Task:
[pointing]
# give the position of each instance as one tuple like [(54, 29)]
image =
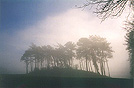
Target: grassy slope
[(63, 78), (66, 72)]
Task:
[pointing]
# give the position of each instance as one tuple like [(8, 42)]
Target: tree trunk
[(95, 65), (35, 63), (104, 68), (83, 66), (47, 63), (26, 67), (41, 63), (90, 66), (80, 65), (54, 62), (31, 64), (57, 63), (108, 68), (101, 67), (71, 61), (38, 63), (86, 65)]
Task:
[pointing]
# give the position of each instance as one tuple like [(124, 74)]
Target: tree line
[(89, 54)]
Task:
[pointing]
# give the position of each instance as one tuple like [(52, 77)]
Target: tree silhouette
[(108, 8), (70, 52), (27, 58), (95, 49), (90, 52), (130, 44), (62, 57), (114, 8), (66, 54), (83, 50), (103, 51), (37, 54)]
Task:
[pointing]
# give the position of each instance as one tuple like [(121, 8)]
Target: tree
[(103, 52), (83, 50), (130, 44), (47, 55), (114, 8), (95, 49), (109, 8), (89, 51), (37, 54), (26, 58), (70, 52), (66, 54), (62, 58)]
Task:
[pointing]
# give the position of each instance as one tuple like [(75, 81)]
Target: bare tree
[(108, 8)]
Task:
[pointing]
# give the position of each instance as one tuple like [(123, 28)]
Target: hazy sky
[(42, 22)]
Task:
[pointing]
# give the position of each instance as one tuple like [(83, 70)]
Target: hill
[(65, 72), (62, 78)]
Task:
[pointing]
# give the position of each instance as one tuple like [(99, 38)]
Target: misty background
[(43, 22)]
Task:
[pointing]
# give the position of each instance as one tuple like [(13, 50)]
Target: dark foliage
[(130, 44)]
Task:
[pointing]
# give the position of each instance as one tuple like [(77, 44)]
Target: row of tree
[(90, 54)]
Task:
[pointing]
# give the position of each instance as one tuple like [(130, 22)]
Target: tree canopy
[(130, 44), (92, 54)]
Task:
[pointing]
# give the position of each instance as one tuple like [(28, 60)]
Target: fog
[(60, 28)]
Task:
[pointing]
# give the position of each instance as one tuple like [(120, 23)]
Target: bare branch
[(108, 8)]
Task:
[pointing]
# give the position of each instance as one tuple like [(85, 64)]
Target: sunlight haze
[(68, 24)]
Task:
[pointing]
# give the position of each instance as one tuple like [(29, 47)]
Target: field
[(82, 80)]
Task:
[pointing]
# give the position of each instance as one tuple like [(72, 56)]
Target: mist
[(60, 28)]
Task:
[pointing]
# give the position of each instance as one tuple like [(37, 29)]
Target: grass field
[(82, 80)]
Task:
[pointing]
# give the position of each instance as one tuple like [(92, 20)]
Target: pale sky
[(52, 22)]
